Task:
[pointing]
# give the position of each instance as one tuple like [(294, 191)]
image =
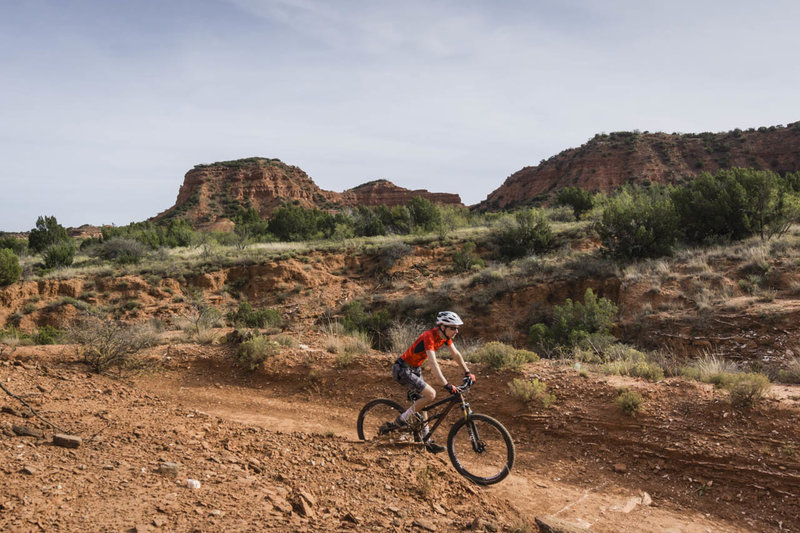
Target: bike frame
[(440, 416)]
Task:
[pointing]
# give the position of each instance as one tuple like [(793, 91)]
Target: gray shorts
[(409, 376)]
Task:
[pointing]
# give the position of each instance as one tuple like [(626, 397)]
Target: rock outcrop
[(212, 194), (384, 192), (610, 160)]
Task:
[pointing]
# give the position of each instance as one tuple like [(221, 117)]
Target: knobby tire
[(486, 467)]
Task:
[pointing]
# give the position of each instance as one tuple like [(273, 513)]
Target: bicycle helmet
[(448, 318)]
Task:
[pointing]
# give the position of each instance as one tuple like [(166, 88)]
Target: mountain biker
[(407, 371)]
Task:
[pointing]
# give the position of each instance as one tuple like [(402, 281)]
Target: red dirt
[(277, 449)]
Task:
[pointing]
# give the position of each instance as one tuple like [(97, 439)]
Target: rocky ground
[(277, 449)]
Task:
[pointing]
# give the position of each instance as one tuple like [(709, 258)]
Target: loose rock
[(67, 441)]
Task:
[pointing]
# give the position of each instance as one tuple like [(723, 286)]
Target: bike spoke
[(482, 451), (374, 418)]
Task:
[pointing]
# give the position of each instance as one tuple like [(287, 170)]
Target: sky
[(106, 104)]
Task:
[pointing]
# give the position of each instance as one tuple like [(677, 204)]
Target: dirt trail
[(607, 506), (277, 449)]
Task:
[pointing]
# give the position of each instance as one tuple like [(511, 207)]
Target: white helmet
[(448, 318)]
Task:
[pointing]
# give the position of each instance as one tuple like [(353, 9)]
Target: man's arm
[(458, 357), (435, 365)]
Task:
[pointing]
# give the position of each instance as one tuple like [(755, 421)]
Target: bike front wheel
[(374, 414), (481, 449)]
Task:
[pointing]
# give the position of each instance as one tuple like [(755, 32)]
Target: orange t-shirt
[(417, 352)]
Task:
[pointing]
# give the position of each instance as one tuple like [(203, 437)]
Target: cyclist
[(407, 371)]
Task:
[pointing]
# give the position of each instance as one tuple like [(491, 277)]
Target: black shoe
[(432, 447), (386, 428), (399, 422)]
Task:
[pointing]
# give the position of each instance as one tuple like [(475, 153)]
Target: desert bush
[(629, 401), (392, 252), (734, 204), (200, 315), (466, 259), (638, 223), (641, 369), (499, 355), (531, 391), (104, 344), (791, 373), (125, 251), (747, 389), (709, 368), (575, 323), (286, 340), (529, 232), (47, 335), (61, 254), (255, 350), (9, 267), (18, 246), (376, 324), (246, 316), (580, 200), (403, 334)]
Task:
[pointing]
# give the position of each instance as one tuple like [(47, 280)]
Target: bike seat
[(413, 395)]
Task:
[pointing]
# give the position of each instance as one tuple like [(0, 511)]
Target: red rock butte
[(211, 194)]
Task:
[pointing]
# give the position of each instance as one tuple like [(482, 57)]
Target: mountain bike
[(479, 447)]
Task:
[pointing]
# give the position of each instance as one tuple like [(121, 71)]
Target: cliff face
[(608, 161), (212, 194)]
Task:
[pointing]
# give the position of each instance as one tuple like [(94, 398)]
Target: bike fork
[(474, 437)]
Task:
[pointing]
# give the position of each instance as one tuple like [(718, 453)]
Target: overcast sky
[(106, 104)]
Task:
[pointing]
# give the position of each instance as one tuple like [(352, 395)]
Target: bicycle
[(480, 447)]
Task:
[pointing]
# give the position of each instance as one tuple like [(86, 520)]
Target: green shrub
[(254, 351), (531, 391), (499, 355), (18, 246), (576, 323), (629, 401), (9, 267), (747, 389), (580, 200), (61, 254), (245, 315), (736, 203), (376, 324), (48, 335), (466, 259), (425, 216), (639, 222), (123, 250), (528, 233)]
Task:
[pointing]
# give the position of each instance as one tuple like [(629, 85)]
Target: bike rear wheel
[(481, 449), (374, 414)]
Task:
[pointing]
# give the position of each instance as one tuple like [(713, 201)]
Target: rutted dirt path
[(277, 449), (531, 490)]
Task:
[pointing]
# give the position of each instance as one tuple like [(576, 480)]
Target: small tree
[(61, 254), (580, 200), (46, 233), (9, 267), (425, 216)]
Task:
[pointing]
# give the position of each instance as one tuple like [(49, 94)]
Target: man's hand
[(469, 378), (451, 388)]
